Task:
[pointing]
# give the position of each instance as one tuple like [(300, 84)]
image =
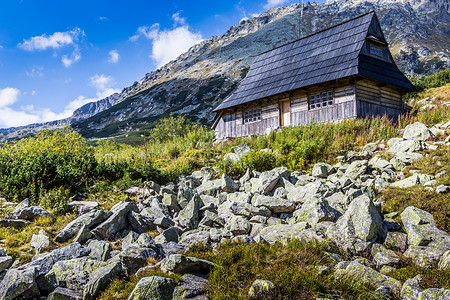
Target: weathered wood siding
[(374, 100)]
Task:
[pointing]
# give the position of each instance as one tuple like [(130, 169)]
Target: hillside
[(194, 83), (351, 210)]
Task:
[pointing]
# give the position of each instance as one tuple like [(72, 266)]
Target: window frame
[(316, 101), (252, 115)]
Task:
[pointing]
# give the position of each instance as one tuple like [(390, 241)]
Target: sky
[(57, 55)]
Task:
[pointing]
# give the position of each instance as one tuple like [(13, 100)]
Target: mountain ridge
[(195, 82)]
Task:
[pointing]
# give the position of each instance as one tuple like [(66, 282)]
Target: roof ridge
[(317, 32)]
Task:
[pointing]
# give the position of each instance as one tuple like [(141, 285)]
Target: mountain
[(418, 32)]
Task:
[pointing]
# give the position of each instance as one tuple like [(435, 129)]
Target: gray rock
[(396, 240), (276, 205), (413, 180), (82, 207), (83, 235), (171, 200), (101, 278), (140, 223), (188, 216), (17, 224), (111, 228), (321, 170), (190, 287), (28, 213), (248, 210), (260, 288), (371, 148), (181, 264), (45, 261), (39, 241), (444, 263), (5, 262), (100, 250), (411, 289), (443, 189), (367, 275), (153, 288), (129, 240), (362, 221), (425, 257), (90, 219), (268, 180), (240, 225), (168, 235), (314, 211), (227, 184), (64, 294), (19, 283), (407, 146), (380, 164), (356, 169), (194, 237), (417, 131), (284, 232)]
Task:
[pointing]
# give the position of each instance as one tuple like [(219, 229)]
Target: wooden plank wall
[(374, 100)]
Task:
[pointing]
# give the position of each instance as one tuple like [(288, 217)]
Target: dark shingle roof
[(324, 56)]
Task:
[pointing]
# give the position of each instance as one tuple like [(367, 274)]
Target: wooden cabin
[(345, 71)]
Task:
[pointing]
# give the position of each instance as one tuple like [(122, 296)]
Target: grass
[(290, 267), (430, 278)]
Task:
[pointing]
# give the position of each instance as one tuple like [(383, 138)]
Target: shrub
[(56, 200)]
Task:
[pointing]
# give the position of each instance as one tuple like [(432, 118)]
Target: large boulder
[(356, 169), (321, 170), (181, 264), (190, 287), (28, 213), (276, 205), (5, 262), (227, 184), (314, 211), (89, 219), (361, 222), (237, 152), (413, 180), (153, 288), (284, 232), (188, 216), (367, 275), (39, 241), (267, 181), (19, 283), (100, 250), (303, 193), (240, 225), (64, 294), (407, 146), (417, 131), (111, 227), (101, 278)]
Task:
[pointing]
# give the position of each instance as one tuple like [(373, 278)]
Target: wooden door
[(285, 113)]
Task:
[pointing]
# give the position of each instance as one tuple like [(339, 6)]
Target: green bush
[(56, 200), (438, 79)]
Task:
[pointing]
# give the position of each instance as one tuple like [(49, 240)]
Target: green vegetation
[(438, 79)]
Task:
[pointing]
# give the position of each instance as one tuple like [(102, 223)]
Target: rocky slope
[(338, 204), (194, 83)]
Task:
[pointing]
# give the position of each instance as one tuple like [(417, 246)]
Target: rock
[(248, 210), (29, 213), (190, 287), (260, 288), (188, 216), (386, 257), (194, 237), (371, 147), (129, 240), (240, 225), (380, 164), (411, 289), (356, 169), (5, 262), (367, 275), (100, 250), (425, 257), (417, 131), (276, 205), (362, 221), (180, 264), (407, 146), (413, 180), (168, 235), (73, 273), (83, 235), (385, 292), (444, 263), (64, 294), (45, 261), (39, 241), (140, 223), (237, 153), (396, 240), (210, 187), (90, 219), (171, 200), (422, 230), (227, 184), (153, 288), (321, 170), (314, 211), (82, 207), (111, 228), (443, 189), (284, 232), (102, 277), (164, 223), (434, 294), (19, 283), (268, 180)]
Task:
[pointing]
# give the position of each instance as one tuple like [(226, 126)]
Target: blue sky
[(58, 55)]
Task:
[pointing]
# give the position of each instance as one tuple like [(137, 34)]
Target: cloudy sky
[(56, 55)]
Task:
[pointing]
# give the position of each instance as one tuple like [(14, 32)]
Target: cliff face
[(418, 32)]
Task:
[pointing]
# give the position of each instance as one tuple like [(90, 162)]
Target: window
[(376, 51), (252, 115), (321, 100)]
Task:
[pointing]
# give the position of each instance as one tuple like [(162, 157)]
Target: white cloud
[(103, 18), (274, 3), (113, 57), (77, 103), (74, 57), (8, 96), (33, 93), (54, 41), (168, 44), (104, 85)]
